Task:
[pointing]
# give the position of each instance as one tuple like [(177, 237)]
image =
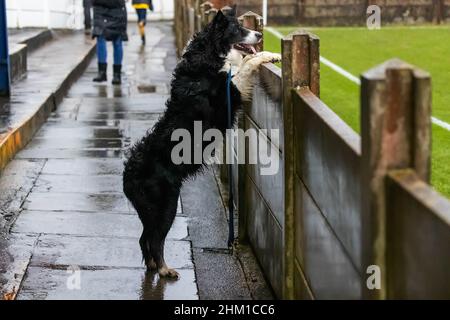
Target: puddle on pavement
[(146, 89)]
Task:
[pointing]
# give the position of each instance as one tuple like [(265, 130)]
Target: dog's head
[(233, 34)]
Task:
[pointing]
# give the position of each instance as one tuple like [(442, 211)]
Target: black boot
[(101, 76), (117, 74)]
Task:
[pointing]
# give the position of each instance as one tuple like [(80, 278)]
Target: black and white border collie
[(151, 181)]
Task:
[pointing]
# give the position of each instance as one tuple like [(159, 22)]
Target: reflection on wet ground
[(73, 235)]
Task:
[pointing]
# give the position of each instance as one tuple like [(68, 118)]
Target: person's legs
[(142, 21), (102, 51), (87, 14), (118, 58), (118, 51), (102, 57)]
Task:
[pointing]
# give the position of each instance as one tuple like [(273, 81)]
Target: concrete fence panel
[(327, 201), (418, 234)]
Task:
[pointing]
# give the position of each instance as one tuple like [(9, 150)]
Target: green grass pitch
[(359, 49)]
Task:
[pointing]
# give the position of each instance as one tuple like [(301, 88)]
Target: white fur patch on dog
[(233, 61)]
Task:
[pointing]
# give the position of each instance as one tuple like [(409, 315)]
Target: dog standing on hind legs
[(151, 180)]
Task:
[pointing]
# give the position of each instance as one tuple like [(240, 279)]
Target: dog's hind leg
[(159, 233), (148, 259), (143, 206)]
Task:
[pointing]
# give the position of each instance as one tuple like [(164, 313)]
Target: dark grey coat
[(110, 19)]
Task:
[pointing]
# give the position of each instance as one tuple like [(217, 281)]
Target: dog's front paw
[(276, 58), (267, 56), (166, 272), (273, 57)]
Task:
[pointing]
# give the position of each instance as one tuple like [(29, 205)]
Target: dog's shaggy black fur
[(151, 181)]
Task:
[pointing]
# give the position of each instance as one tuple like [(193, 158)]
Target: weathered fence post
[(191, 23), (210, 14), (300, 68), (204, 8), (178, 24), (396, 134), (226, 9), (184, 24), (198, 16)]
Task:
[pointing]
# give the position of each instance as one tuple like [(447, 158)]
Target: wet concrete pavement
[(63, 192), (68, 220)]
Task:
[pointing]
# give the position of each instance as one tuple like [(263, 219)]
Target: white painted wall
[(164, 10), (67, 13)]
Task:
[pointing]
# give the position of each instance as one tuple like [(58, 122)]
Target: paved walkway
[(69, 217), (67, 183)]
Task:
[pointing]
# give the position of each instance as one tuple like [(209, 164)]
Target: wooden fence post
[(396, 134), (198, 16), (185, 30), (178, 25), (300, 68), (204, 8), (191, 23), (210, 14), (226, 9)]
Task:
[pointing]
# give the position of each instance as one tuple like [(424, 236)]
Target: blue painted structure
[(4, 53)]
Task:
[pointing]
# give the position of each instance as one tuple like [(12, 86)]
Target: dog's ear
[(219, 20)]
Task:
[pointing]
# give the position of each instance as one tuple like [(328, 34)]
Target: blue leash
[(230, 168)]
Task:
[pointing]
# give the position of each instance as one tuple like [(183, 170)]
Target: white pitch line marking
[(351, 77), (340, 70), (441, 123), (275, 32)]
